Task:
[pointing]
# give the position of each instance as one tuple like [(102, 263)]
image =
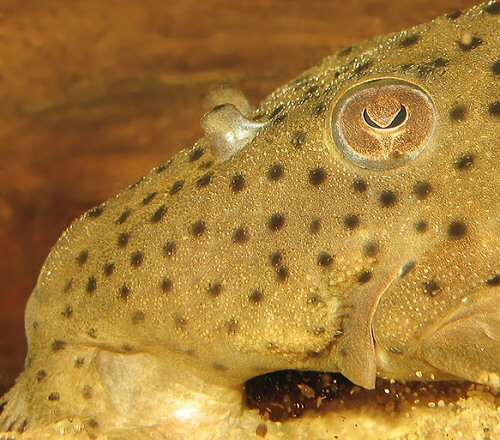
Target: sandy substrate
[(403, 414)]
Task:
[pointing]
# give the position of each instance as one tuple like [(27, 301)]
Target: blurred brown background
[(94, 93)]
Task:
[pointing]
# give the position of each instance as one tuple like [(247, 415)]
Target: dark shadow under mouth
[(288, 394)]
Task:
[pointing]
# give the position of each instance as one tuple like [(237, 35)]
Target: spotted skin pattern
[(264, 247)]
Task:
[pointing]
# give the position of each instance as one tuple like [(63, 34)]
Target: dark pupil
[(398, 119)]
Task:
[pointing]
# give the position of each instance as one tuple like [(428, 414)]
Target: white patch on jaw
[(228, 131), (144, 389)]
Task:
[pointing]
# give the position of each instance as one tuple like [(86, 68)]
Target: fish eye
[(383, 123)]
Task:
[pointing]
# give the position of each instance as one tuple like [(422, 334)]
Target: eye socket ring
[(383, 123)]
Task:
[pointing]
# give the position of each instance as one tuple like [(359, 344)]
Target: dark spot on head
[(318, 330), (125, 291), (493, 8), (275, 171), (204, 180), (136, 258), (238, 182), (409, 40), (92, 332), (317, 176), (91, 284), (458, 113), (469, 45), (79, 361), (160, 168), (440, 62), (176, 187), (68, 286), (351, 221), (166, 284), (345, 51), (388, 199), (96, 212), (231, 326), (123, 216), (495, 67), (494, 109), (276, 111), (198, 228), (136, 184), (169, 248), (54, 396), (215, 288), (40, 375), (123, 239), (311, 90), (314, 298), (359, 186), (128, 348), (279, 119), (146, 200), (421, 226), (431, 288), (298, 139), (206, 165), (58, 345), (276, 221), (180, 322), (454, 15), (371, 248), (109, 269), (93, 423), (365, 276), (22, 426), (87, 391), (67, 312), (315, 226), (276, 258), (320, 108), (457, 229), (256, 296), (429, 68), (219, 367), (494, 280), (465, 162), (362, 67), (422, 190), (407, 268), (191, 352), (240, 235), (282, 273), (138, 316), (196, 154), (83, 256), (324, 259), (159, 214)]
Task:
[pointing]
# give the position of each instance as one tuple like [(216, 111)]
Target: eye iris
[(382, 124)]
